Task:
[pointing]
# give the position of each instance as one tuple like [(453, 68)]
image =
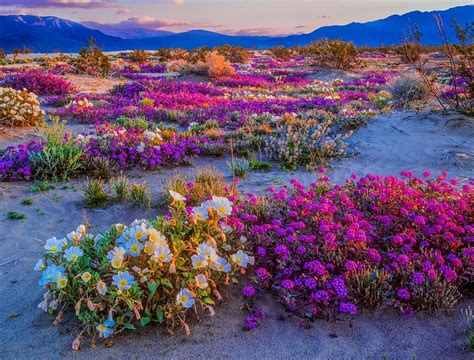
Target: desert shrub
[(60, 158), (92, 61), (201, 186), (99, 167), (409, 91), (234, 54), (149, 272), (180, 66), (403, 242), (333, 54), (409, 52), (280, 52), (140, 195), (218, 66), (198, 55), (304, 142), (138, 56), (3, 55), (19, 108), (94, 193), (39, 82)]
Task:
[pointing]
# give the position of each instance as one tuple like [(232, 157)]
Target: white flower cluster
[(82, 103), (19, 108)]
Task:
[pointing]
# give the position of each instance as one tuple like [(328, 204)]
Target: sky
[(236, 17)]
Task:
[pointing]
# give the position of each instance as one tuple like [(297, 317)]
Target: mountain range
[(50, 34)]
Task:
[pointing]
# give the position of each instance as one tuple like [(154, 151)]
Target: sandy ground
[(389, 144)]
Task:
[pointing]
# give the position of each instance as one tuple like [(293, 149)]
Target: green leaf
[(160, 317), (129, 326), (144, 320), (208, 301), (167, 283), (152, 287)]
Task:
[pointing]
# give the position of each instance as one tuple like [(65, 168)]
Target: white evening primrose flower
[(185, 298), (201, 281), (199, 261), (176, 196), (207, 251), (156, 237), (200, 213), (116, 262), (101, 287), (242, 259), (61, 282), (138, 232), (221, 205), (150, 248), (73, 253), (81, 229), (86, 276), (40, 265), (116, 252), (54, 246), (220, 264), (163, 254)]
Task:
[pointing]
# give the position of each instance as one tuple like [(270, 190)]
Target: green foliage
[(41, 186), (333, 54), (120, 187), (140, 195), (26, 201), (13, 215), (99, 167), (94, 193), (239, 167), (132, 123), (281, 52), (92, 60)]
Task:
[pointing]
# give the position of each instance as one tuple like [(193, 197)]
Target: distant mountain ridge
[(49, 33)]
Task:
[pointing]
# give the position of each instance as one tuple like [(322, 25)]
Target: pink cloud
[(38, 4), (151, 23)]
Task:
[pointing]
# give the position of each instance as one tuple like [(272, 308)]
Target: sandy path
[(432, 142)]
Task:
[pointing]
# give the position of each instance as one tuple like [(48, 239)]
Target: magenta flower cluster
[(39, 82), (15, 163), (418, 231)]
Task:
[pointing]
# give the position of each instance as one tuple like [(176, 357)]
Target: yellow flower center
[(123, 282), (198, 215), (221, 209), (138, 234), (54, 249), (117, 263), (62, 282), (74, 256), (134, 247), (162, 256), (184, 298), (102, 328)]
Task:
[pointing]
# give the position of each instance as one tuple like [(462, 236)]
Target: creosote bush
[(92, 60), (333, 54)]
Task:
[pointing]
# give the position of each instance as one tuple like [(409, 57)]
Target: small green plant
[(257, 165), (92, 60), (239, 167), (140, 195), (99, 168), (41, 186), (469, 316), (27, 201), (60, 158), (133, 123), (94, 193), (13, 215), (120, 188)]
